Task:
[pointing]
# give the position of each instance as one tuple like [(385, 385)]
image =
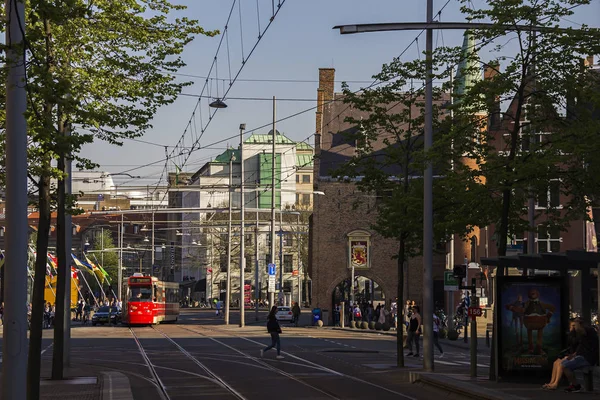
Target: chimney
[(325, 94)]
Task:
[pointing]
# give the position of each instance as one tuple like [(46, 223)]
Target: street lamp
[(218, 103), (242, 232)]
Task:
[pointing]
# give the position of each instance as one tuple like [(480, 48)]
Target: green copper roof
[(303, 146), (469, 68), (226, 156), (268, 138), (304, 160)]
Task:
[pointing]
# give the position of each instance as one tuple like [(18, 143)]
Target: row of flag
[(97, 269)]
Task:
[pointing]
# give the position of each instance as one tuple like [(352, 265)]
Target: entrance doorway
[(365, 291)]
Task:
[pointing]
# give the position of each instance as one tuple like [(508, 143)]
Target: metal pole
[(428, 203), (120, 271), (152, 239), (352, 292), (299, 265), (228, 277), (281, 294), (473, 333), (242, 231), (271, 293), (256, 273), (14, 365), (68, 245)]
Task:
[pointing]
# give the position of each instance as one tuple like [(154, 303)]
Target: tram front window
[(141, 293)]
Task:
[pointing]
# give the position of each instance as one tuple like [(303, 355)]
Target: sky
[(284, 64)]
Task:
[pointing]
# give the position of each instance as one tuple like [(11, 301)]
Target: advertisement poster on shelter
[(531, 324)]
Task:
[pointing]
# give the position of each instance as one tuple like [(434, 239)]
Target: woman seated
[(557, 368)]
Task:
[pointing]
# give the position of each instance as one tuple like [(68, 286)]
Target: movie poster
[(531, 326)]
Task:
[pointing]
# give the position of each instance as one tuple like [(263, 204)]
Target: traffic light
[(460, 271)]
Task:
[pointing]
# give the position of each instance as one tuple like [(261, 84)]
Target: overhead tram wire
[(372, 84)]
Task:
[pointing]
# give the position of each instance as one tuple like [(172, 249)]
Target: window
[(288, 240), (287, 286), (297, 198), (549, 240), (267, 262), (288, 263), (249, 239), (223, 239), (297, 178), (223, 262), (305, 178), (306, 199), (269, 240), (551, 196)]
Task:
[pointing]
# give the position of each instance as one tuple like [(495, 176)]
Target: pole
[(473, 333), (14, 365), (256, 274), (352, 291), (242, 231), (88, 285), (120, 271), (228, 277), (281, 294), (428, 204), (68, 246), (152, 240), (299, 265), (271, 293)]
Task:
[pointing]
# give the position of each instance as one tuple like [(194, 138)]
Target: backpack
[(357, 313)]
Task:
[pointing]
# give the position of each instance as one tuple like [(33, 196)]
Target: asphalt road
[(201, 357)]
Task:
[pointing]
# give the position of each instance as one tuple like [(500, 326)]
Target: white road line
[(337, 373)]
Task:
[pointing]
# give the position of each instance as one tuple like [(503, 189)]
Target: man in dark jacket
[(296, 313), (586, 354)]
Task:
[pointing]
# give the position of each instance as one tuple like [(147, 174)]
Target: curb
[(115, 386), (465, 390)]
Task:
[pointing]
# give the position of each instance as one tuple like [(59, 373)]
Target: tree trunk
[(400, 304), (502, 232), (37, 306)]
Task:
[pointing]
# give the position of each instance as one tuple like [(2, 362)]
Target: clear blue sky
[(298, 43)]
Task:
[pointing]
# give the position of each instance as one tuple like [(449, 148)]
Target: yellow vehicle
[(50, 291)]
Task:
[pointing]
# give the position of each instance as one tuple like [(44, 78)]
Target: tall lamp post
[(242, 231)]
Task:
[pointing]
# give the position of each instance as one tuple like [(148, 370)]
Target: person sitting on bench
[(557, 368), (585, 355)]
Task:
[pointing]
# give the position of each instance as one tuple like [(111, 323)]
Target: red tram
[(150, 300)]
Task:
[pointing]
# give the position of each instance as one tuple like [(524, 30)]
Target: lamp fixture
[(146, 239), (164, 246), (87, 243), (218, 103), (128, 246)]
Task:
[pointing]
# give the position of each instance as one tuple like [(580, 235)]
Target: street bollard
[(343, 314), (487, 338)]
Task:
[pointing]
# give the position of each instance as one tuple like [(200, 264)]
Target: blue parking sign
[(271, 269)]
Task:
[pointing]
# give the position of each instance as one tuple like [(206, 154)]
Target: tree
[(389, 159), (542, 140), (98, 70), (108, 259)]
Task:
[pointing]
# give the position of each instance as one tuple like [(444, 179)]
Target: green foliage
[(547, 133), (108, 259)]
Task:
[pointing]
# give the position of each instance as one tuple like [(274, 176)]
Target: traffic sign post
[(272, 269), (475, 312), (450, 282)]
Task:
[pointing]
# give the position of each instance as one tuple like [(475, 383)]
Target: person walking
[(296, 314), (274, 330), (436, 334), (414, 326)]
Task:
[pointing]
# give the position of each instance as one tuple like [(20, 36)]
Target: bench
[(588, 377)]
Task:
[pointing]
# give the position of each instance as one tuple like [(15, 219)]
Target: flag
[(96, 270), (79, 263), (106, 276), (73, 273)]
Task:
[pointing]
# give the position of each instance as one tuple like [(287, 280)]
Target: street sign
[(475, 312), (295, 272), (271, 284), (272, 269), (450, 283), (155, 268)]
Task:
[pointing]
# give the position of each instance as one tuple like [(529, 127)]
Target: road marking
[(336, 372)]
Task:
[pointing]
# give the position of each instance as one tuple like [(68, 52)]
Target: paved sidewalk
[(462, 386)]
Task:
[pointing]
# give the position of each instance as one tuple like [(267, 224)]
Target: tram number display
[(139, 280)]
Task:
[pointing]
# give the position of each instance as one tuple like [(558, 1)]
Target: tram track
[(310, 363), (159, 382), (266, 365)]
